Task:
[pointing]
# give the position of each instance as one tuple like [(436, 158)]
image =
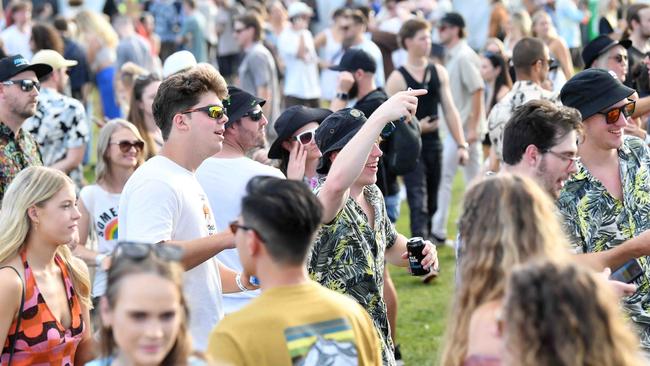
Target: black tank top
[(428, 103)]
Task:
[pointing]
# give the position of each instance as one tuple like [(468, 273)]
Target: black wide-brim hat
[(290, 121), (335, 132)]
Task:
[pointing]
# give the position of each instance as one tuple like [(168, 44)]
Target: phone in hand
[(628, 272)]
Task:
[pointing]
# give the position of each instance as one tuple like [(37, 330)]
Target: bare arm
[(561, 51), (475, 116), (228, 282), (10, 294), (200, 250), (80, 250), (320, 40), (343, 85), (397, 254), (642, 106), (452, 117), (617, 256), (73, 158), (86, 349), (264, 92), (395, 83)]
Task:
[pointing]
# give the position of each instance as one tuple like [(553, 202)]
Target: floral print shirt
[(17, 152)]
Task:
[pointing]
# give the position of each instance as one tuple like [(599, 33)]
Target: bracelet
[(99, 259), (343, 96), (464, 146), (239, 284)]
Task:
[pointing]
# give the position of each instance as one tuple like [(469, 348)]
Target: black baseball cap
[(453, 18), (593, 90), (599, 46), (239, 103), (354, 59), (335, 132), (13, 65), (290, 121)]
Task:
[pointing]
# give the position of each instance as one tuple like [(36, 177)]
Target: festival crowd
[(217, 182)]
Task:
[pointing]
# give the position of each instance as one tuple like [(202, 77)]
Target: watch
[(343, 96), (464, 146)]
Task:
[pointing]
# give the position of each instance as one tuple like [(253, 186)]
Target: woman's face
[(116, 156), (146, 318), (56, 220), (488, 72), (312, 149), (542, 26), (148, 95)]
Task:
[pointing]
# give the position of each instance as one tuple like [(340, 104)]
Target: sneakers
[(398, 356)]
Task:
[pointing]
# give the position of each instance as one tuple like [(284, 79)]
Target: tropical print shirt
[(58, 125), (17, 152), (348, 257), (595, 221), (520, 94)]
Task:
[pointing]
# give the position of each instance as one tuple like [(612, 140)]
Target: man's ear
[(179, 121), (531, 155)]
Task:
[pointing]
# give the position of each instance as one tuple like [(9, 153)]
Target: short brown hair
[(526, 52), (357, 16), (253, 20), (183, 90), (410, 28)]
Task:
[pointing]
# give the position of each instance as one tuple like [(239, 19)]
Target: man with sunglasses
[(59, 125), (606, 204), (19, 88), (224, 175), (163, 201)]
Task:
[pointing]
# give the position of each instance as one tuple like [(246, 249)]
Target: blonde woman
[(544, 29), (519, 26), (119, 152), (563, 315), (525, 227), (44, 290)]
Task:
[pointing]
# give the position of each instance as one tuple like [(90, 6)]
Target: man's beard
[(354, 90)]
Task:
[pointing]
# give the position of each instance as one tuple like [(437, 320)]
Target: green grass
[(422, 309)]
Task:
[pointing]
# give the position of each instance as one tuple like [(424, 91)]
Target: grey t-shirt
[(258, 69)]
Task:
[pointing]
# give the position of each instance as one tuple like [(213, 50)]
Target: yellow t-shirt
[(303, 323)]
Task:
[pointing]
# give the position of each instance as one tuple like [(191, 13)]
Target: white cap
[(177, 62), (299, 8)]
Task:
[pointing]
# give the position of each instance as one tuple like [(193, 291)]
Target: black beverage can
[(414, 246)]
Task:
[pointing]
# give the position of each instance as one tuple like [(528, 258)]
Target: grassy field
[(422, 309)]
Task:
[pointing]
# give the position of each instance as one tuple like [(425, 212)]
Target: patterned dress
[(595, 221), (17, 152), (348, 257), (42, 340)]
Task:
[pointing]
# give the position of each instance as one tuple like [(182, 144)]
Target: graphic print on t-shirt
[(326, 343), (207, 215), (107, 224)]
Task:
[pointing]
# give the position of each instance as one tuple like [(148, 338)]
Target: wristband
[(239, 284), (343, 96), (99, 259)]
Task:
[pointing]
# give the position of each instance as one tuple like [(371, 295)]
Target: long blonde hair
[(562, 315), (90, 22), (506, 220), (103, 166), (33, 187)]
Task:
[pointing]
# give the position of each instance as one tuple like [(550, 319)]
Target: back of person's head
[(252, 20), (539, 123), (410, 28), (34, 187), (562, 315), (521, 21), (46, 37), (526, 227), (60, 23), (286, 214), (141, 259), (103, 166), (129, 72), (181, 91), (526, 52)]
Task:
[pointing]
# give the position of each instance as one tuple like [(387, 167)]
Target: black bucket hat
[(290, 121), (335, 132)]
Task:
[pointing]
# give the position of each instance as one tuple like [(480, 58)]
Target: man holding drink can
[(356, 236)]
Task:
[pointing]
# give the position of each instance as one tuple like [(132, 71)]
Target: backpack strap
[(12, 345)]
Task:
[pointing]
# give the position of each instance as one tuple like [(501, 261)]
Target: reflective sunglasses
[(141, 251), (26, 85), (305, 137), (213, 111), (125, 145), (612, 115), (255, 116)]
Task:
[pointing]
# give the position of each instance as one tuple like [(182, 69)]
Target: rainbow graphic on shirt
[(111, 230)]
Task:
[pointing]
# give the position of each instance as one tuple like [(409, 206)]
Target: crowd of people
[(205, 182)]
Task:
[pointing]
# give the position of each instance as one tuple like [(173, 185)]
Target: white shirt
[(224, 181), (301, 78), (164, 201), (17, 42)]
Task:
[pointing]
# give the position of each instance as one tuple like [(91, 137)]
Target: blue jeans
[(392, 207)]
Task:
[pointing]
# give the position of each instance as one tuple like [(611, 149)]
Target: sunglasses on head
[(141, 251), (213, 111), (26, 85), (305, 137), (255, 116), (612, 115), (125, 145)]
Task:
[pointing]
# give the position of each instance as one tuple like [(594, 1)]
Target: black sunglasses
[(612, 115), (125, 145), (213, 111), (26, 85), (305, 137), (234, 226), (141, 251), (255, 116)]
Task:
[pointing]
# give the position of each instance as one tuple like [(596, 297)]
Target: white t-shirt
[(17, 42), (301, 79), (164, 201), (102, 207), (224, 181)]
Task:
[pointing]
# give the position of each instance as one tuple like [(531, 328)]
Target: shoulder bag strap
[(12, 346)]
